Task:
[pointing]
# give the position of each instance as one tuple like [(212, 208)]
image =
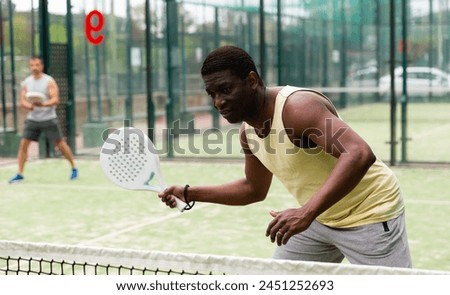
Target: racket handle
[(180, 204)]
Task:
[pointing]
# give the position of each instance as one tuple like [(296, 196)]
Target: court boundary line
[(140, 225), (406, 201), (64, 186), (201, 206)]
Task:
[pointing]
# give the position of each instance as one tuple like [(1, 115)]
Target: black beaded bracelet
[(189, 205)]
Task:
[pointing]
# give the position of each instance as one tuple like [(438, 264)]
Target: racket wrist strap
[(189, 205)]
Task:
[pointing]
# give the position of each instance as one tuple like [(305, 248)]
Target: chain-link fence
[(147, 69)]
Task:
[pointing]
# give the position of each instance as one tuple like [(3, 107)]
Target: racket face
[(34, 97), (128, 158)]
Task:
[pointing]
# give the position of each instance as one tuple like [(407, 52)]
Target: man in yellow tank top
[(350, 204)]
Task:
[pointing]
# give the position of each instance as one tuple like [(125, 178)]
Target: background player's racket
[(128, 158), (33, 97)]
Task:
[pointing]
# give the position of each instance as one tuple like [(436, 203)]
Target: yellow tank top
[(376, 198)]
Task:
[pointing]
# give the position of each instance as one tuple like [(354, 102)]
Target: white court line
[(141, 225), (428, 202), (174, 215), (114, 188), (422, 202), (442, 129), (125, 230), (81, 187)]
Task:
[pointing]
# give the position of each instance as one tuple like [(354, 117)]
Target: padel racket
[(128, 158), (33, 97)]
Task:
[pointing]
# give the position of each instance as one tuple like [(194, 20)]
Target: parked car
[(420, 80), (363, 77)]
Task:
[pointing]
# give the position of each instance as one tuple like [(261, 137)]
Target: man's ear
[(253, 79)]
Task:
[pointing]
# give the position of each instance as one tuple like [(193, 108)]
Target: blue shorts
[(51, 128)]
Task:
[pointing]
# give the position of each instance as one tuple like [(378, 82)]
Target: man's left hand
[(287, 223)]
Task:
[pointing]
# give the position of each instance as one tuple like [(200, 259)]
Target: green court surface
[(428, 127), (49, 208)]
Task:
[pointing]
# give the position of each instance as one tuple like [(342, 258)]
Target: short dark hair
[(232, 58), (37, 57)]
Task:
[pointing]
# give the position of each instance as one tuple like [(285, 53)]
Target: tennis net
[(38, 258)]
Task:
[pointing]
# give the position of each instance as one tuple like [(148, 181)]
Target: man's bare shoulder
[(307, 103)]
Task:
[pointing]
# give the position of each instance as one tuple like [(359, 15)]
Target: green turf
[(48, 207), (427, 129)]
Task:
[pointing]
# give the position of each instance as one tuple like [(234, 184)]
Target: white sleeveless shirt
[(40, 85)]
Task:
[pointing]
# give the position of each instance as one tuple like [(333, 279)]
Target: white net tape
[(190, 263)]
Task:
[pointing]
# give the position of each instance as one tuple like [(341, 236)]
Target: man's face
[(230, 95), (36, 66)]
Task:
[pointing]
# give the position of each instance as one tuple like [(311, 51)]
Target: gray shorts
[(384, 244), (51, 128)]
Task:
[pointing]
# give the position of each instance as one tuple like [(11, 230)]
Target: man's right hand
[(169, 194)]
